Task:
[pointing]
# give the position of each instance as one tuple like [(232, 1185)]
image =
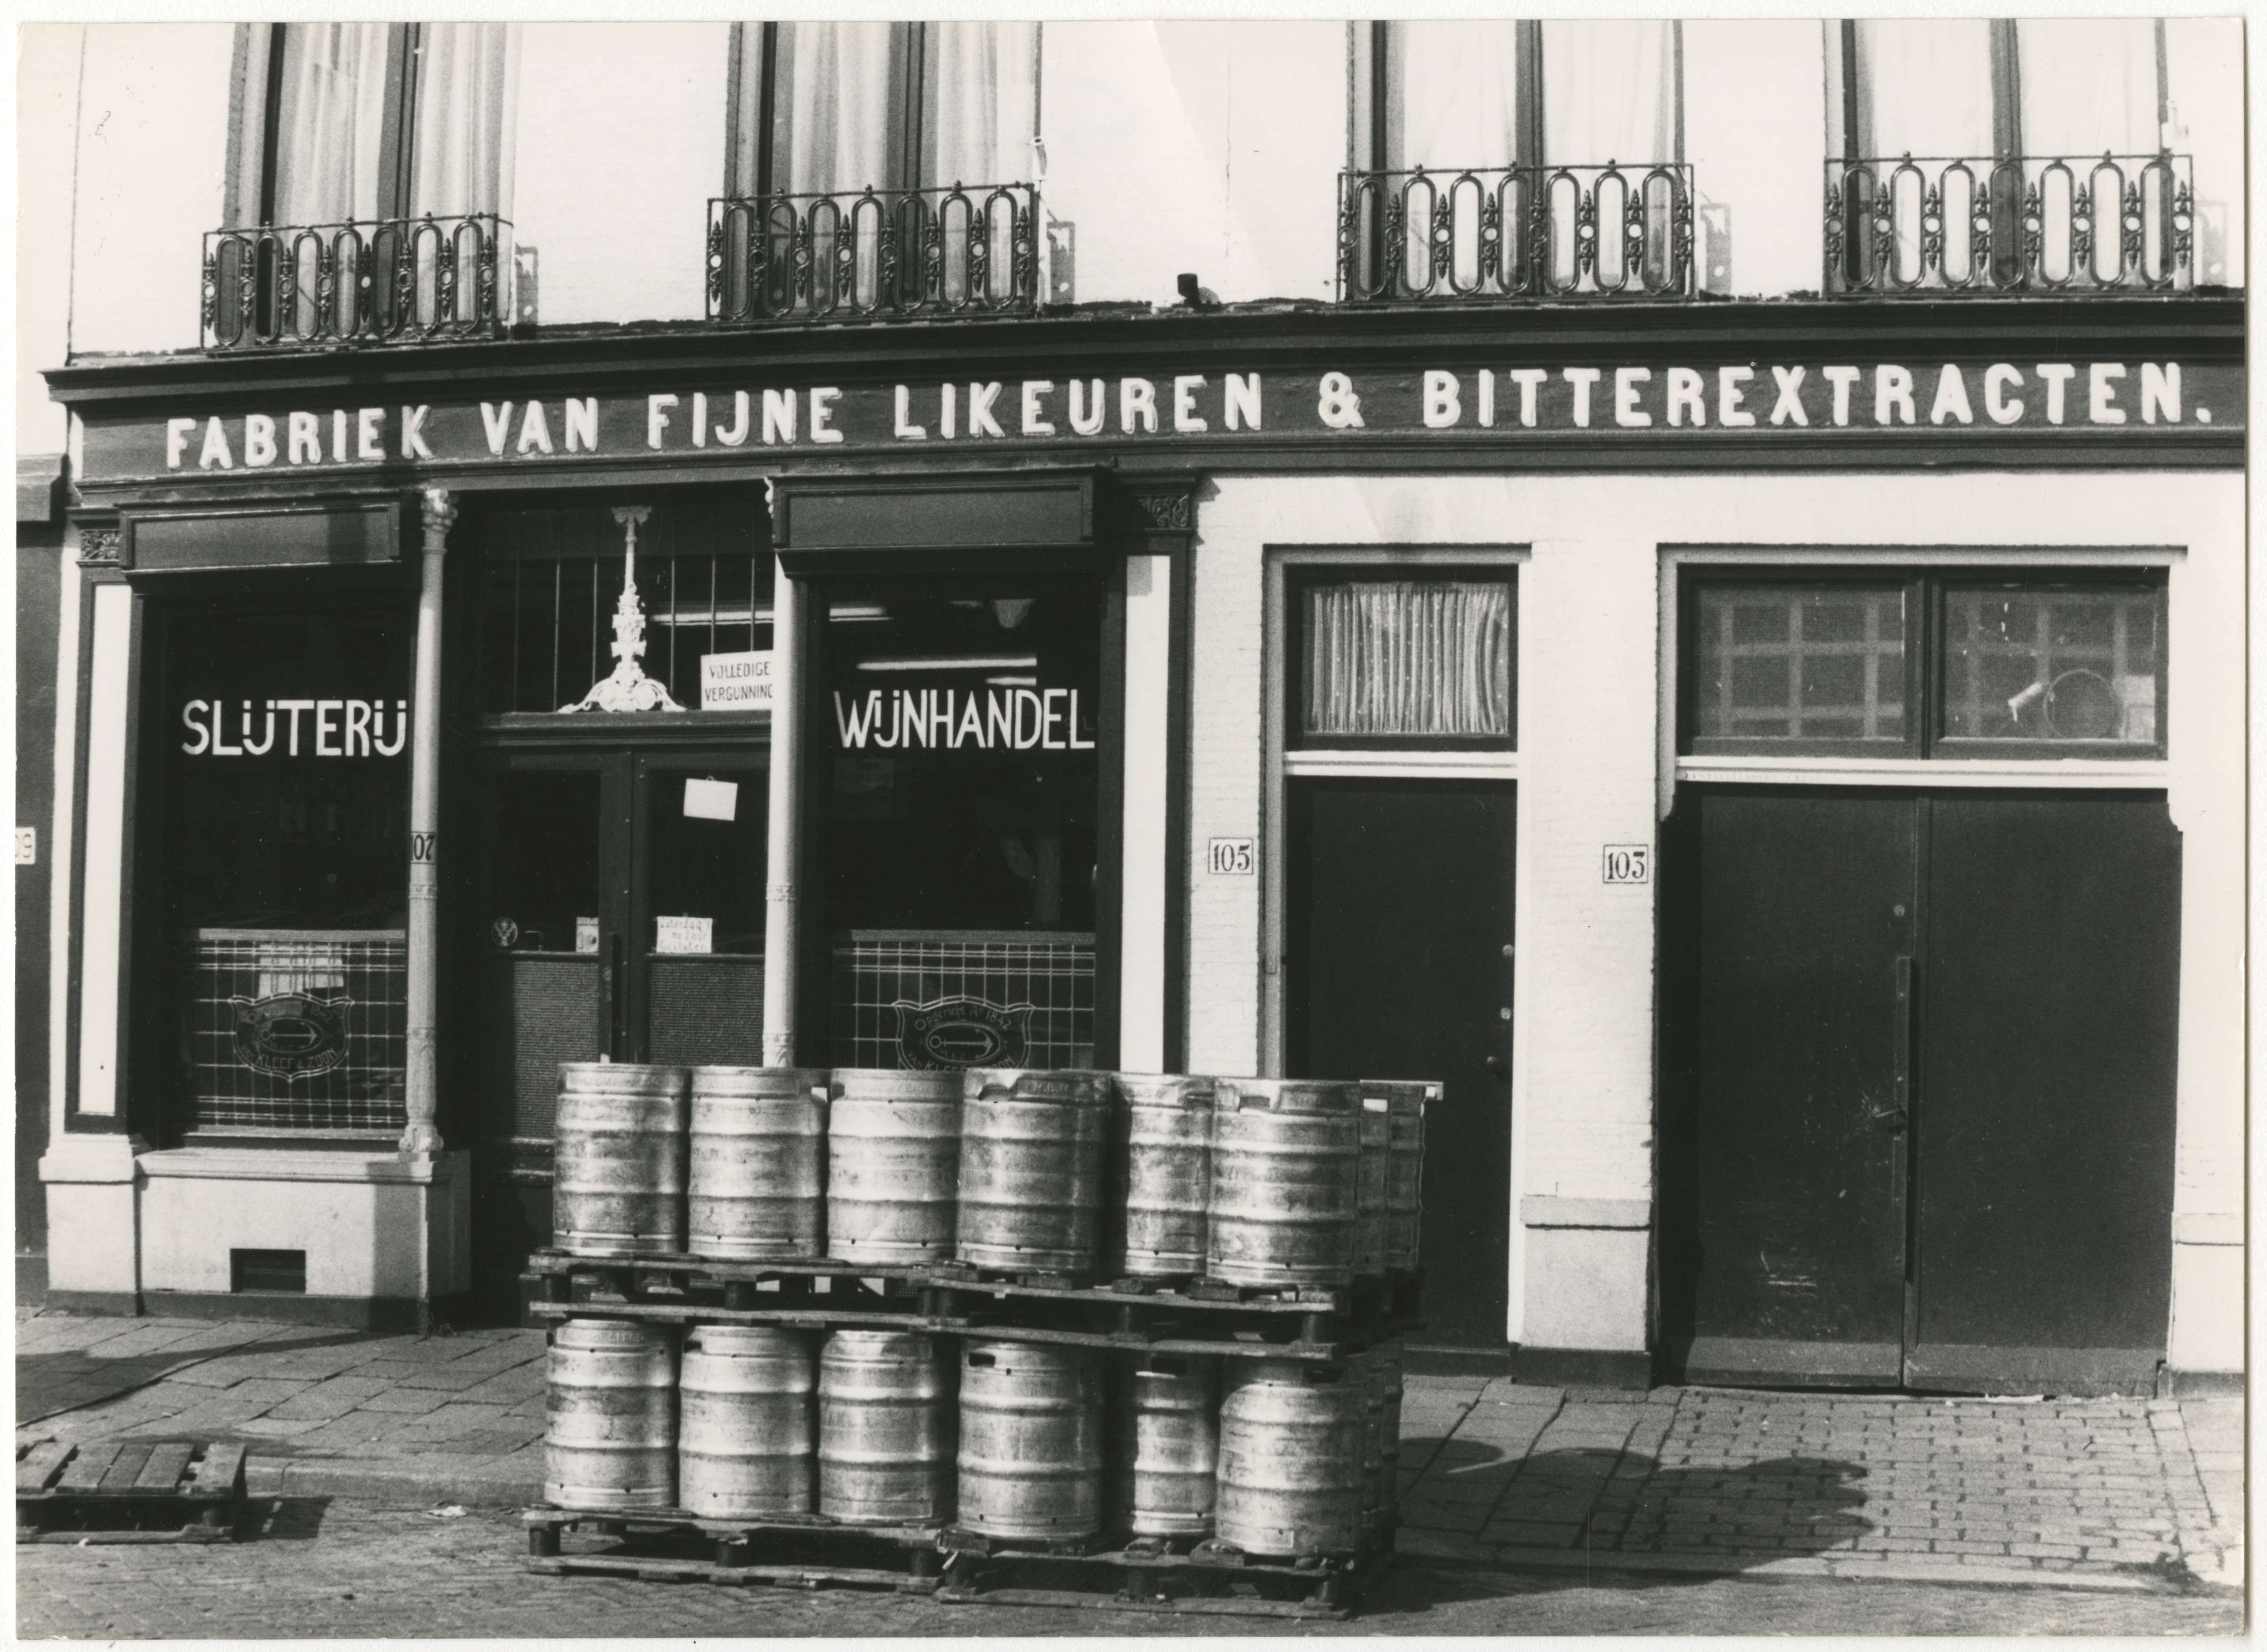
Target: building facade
[(1711, 627)]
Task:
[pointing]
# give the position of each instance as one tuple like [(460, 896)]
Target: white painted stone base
[(1586, 1272), (91, 1207), (372, 1225), (2207, 1331)]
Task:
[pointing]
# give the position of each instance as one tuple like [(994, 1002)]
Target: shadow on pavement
[(74, 1378), (1611, 1503), (282, 1519)]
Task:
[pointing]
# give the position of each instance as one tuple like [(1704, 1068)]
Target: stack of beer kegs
[(1186, 1189)]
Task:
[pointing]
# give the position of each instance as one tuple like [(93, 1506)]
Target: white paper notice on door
[(712, 799), (684, 934)]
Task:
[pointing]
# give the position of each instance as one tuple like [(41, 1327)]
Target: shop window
[(961, 823), (1402, 661), (1930, 665), (281, 860), (350, 137), (550, 581), (873, 167), (1539, 158)]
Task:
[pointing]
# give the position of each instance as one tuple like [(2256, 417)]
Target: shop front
[(1783, 805)]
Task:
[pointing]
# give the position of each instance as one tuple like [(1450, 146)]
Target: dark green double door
[(1919, 1088)]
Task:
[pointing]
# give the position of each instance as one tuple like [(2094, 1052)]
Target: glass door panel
[(701, 851)]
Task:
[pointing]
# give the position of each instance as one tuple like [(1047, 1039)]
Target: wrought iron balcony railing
[(388, 281), (875, 254), (1514, 232), (2033, 223)]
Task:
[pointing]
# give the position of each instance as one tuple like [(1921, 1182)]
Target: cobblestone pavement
[(2092, 1491), (320, 1410), (2104, 1493), (332, 1568)]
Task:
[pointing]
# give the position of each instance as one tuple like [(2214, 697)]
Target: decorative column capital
[(438, 508)]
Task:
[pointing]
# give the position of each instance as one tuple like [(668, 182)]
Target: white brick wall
[(1591, 773)]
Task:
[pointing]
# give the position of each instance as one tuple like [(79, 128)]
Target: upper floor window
[(343, 122), (1971, 153), (1535, 159), (877, 169), (367, 190)]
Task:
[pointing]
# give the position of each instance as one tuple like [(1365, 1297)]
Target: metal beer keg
[(1163, 1163), (1031, 1440), (610, 1435), (1406, 1100), (746, 1441), (618, 1186), (1291, 1461), (1031, 1152), (1372, 1184), (884, 1429), (756, 1171), (1286, 1166), (1165, 1443), (893, 1158)]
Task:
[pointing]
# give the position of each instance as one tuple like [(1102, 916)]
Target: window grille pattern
[(999, 999), (1800, 664), (299, 1030), (551, 579), (2055, 665), (1420, 658)]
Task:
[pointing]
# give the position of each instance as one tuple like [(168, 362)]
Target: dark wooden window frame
[(1925, 590), (755, 52), (1300, 577)]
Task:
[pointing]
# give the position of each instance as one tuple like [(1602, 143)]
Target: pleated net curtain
[(1408, 659)]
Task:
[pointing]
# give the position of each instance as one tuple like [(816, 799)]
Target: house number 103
[(1628, 863)]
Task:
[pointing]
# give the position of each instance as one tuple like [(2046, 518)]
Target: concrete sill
[(256, 1164)]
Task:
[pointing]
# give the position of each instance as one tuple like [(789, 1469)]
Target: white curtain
[(1609, 94), (458, 156), (330, 123), (2089, 85), (458, 163), (977, 129), (1451, 95), (978, 89), (1409, 658), (1924, 88), (836, 121)]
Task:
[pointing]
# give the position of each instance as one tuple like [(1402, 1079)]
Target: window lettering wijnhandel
[(1513, 402)]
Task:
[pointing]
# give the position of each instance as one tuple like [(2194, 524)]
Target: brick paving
[(2100, 1493), (2094, 1492), (336, 1568)]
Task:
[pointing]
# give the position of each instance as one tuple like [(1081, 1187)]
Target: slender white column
[(1141, 883), (420, 1138), (784, 847)]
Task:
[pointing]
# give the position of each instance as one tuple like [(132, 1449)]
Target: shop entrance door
[(620, 914), (1918, 1100), (1399, 943)]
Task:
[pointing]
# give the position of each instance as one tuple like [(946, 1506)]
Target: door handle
[(1898, 1114), (1498, 1071)]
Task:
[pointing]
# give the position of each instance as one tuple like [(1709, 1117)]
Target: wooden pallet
[(1289, 1323), (174, 1491), (1205, 1578), (674, 1545)]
